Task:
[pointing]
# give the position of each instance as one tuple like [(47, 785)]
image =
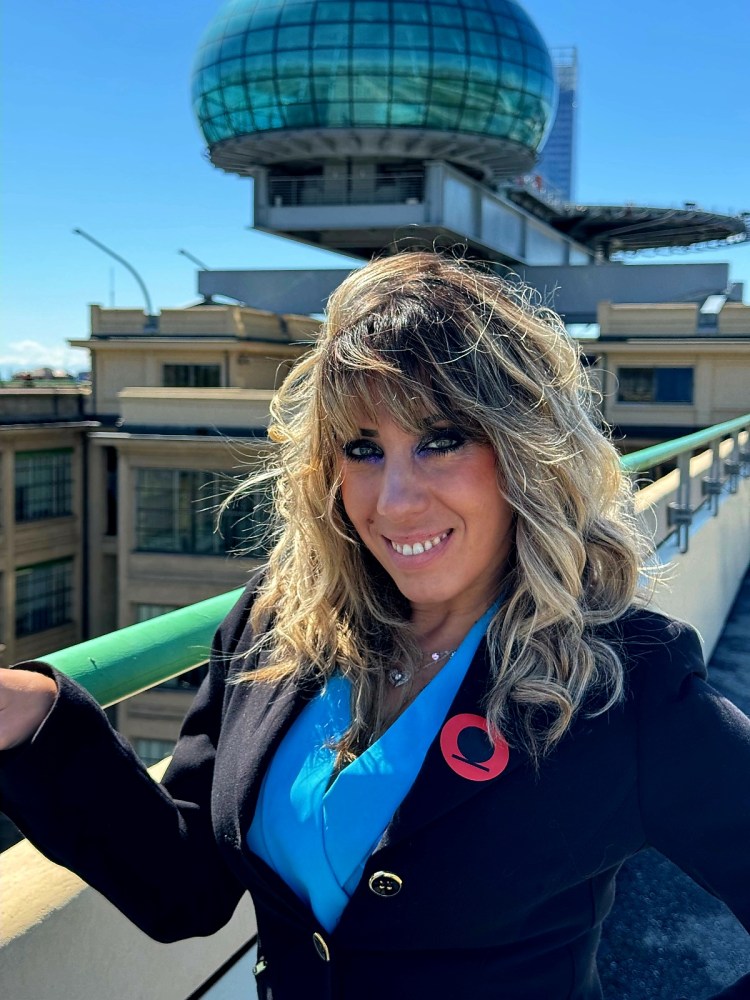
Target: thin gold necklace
[(399, 675)]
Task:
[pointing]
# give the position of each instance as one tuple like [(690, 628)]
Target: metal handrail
[(130, 660), (647, 458)]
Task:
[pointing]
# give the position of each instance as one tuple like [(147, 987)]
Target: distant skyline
[(99, 135)]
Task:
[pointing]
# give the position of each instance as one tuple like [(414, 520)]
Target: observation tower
[(358, 118), (372, 123)]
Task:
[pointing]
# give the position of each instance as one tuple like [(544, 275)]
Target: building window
[(655, 385), (152, 751), (176, 512), (145, 612), (192, 376), (44, 596), (44, 484)]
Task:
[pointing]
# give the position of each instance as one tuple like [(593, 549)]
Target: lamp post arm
[(121, 260)]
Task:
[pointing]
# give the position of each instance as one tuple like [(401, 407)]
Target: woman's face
[(428, 508)]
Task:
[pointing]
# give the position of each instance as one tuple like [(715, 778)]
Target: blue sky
[(99, 134)]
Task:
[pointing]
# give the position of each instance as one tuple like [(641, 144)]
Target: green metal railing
[(130, 660), (647, 458)]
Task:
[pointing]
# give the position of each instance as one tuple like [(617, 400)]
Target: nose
[(402, 491)]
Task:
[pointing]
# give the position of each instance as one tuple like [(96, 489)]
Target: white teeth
[(419, 547)]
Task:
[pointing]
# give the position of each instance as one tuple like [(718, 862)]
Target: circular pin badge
[(467, 750)]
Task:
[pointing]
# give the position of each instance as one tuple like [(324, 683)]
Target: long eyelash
[(455, 436), (349, 447)]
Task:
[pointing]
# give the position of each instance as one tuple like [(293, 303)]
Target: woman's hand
[(25, 700)]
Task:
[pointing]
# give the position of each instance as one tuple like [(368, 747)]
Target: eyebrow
[(428, 423)]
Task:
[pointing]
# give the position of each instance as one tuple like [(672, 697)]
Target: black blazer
[(489, 888)]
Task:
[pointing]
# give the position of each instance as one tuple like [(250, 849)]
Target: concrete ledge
[(60, 938)]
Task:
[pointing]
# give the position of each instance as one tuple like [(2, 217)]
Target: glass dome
[(467, 67)]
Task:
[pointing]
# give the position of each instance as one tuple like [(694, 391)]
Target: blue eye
[(361, 451)]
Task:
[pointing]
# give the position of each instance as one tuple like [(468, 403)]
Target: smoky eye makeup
[(443, 439), (361, 450)]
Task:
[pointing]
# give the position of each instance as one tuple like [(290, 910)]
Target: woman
[(437, 723)]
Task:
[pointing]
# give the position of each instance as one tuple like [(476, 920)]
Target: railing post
[(680, 513), (733, 464), (744, 453), (712, 484)]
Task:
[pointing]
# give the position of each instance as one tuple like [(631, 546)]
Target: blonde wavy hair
[(433, 335)]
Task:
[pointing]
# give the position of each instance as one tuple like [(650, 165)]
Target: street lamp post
[(151, 321)]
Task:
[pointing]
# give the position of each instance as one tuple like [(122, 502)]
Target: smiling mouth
[(418, 548)]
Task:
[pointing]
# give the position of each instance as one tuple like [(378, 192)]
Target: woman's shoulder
[(234, 635), (655, 648)]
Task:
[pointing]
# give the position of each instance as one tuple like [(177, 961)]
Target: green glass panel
[(414, 13), (365, 10), (297, 13), (333, 11), (233, 47), (511, 51), (294, 91), (292, 67), (295, 37), (506, 29), (338, 113), (409, 89), (328, 62), (235, 98), (330, 34), (268, 118), (263, 19), (450, 64), (369, 34), (477, 19), (414, 61), (474, 121), (372, 61), (371, 113), (441, 117), (443, 14), (511, 76), (260, 41), (411, 36), (482, 68), (408, 114), (232, 71), (259, 65), (449, 39), (241, 122), (483, 44), (261, 95), (338, 90)]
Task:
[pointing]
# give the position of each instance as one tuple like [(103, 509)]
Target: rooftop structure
[(366, 124), (280, 84)]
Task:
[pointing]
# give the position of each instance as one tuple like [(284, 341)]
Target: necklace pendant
[(397, 677)]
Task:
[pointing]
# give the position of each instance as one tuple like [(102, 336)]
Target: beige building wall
[(39, 541), (721, 382), (253, 349), (674, 335), (647, 320)]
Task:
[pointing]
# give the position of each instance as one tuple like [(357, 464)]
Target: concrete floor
[(666, 937)]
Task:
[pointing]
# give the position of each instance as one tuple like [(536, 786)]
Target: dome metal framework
[(275, 80)]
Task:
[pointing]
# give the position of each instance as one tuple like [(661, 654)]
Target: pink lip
[(411, 539), (417, 562)]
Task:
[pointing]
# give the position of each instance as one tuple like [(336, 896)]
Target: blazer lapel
[(263, 715), (460, 762)]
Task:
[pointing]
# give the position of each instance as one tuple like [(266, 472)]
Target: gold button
[(321, 947), (385, 884)]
